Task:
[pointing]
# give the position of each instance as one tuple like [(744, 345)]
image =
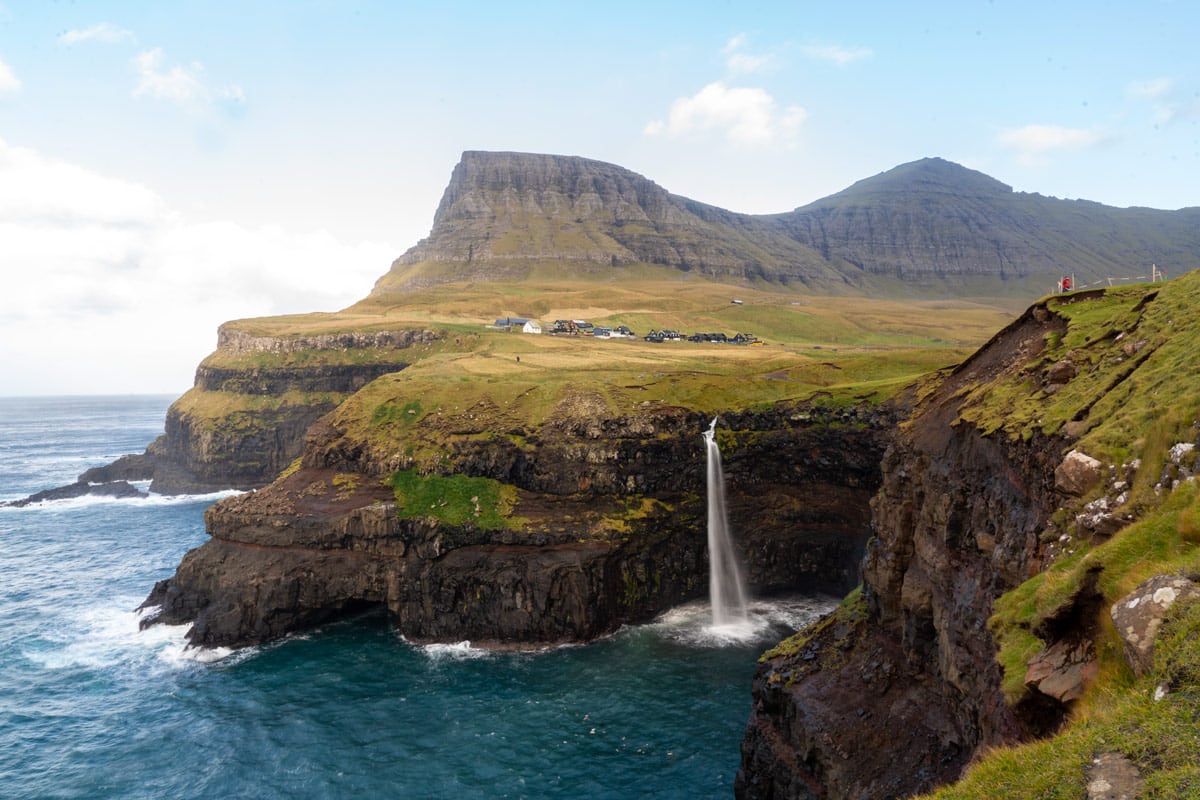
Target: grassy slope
[(1136, 393), (833, 348), (816, 346), (477, 382)]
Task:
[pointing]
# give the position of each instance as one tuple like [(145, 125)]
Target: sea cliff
[(988, 497), (561, 532), (254, 398)]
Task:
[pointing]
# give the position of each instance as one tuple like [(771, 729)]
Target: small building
[(508, 323), (531, 326)]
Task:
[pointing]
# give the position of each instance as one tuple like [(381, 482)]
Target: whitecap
[(453, 651), (153, 499), (110, 636), (691, 623)]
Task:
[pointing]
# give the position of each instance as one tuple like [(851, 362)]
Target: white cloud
[(8, 80), (1033, 144), (746, 116), (739, 61), (108, 289), (182, 85), (836, 54), (104, 32)]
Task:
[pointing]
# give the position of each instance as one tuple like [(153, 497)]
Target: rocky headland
[(254, 398), (602, 524)]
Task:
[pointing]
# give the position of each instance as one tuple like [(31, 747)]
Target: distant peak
[(928, 175)]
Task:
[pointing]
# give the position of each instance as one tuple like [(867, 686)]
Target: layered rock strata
[(611, 530), (934, 226), (254, 398), (909, 670)]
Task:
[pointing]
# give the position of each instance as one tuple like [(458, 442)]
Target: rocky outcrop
[(115, 489), (254, 398), (1001, 540), (611, 529), (914, 675), (242, 448), (235, 341), (932, 224), (1139, 615), (294, 555)]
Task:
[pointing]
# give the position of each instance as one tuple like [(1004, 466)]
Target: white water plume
[(725, 587)]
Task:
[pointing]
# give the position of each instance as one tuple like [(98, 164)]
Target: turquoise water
[(92, 708)]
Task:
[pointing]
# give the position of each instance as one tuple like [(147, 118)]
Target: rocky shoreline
[(319, 543)]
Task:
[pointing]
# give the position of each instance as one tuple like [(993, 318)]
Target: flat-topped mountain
[(930, 227)]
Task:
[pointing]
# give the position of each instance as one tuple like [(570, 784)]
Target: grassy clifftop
[(1120, 379)]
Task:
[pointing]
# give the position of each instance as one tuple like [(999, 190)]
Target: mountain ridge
[(929, 227)]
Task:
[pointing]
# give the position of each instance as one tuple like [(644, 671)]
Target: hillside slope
[(927, 228), (1033, 489)]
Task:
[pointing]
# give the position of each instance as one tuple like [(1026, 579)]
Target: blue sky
[(166, 166)]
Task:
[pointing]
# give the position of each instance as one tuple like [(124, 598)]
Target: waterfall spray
[(726, 593)]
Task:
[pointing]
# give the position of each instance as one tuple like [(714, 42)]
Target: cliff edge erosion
[(1031, 492), (243, 422), (469, 522)]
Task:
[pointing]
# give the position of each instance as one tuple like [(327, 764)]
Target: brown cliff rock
[(327, 540), (957, 518)]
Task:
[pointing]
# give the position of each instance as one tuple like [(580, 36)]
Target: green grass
[(843, 621), (1160, 736), (213, 410), (1136, 390), (1157, 544), (456, 499)]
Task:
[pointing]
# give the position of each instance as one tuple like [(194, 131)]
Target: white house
[(531, 326)]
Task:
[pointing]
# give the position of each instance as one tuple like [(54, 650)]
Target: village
[(579, 327)]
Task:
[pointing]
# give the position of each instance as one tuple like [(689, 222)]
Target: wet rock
[(1139, 614), (81, 489), (958, 521), (301, 551)]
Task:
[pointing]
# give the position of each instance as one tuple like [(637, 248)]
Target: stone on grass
[(1140, 613), (1078, 473)]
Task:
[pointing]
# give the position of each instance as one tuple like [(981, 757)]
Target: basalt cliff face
[(912, 674), (927, 228), (254, 398), (610, 529), (954, 644)]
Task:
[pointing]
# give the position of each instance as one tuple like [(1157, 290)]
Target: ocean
[(91, 707)]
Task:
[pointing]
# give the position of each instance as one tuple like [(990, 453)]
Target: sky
[(168, 166)]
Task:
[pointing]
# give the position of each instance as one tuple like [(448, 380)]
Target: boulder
[(1139, 615), (1060, 373), (1078, 473), (1063, 670)]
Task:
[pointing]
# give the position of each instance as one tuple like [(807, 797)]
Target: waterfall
[(726, 593)]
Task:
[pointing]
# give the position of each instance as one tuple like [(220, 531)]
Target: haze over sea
[(92, 708)]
